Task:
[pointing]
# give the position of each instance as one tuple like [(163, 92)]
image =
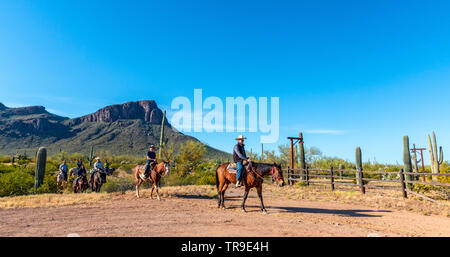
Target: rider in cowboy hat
[(98, 166), (240, 158), (151, 161)]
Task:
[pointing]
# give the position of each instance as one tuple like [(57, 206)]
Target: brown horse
[(97, 181), (252, 176), (82, 184), (158, 171)]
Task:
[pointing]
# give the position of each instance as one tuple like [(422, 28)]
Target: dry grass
[(49, 200), (55, 200), (379, 199)]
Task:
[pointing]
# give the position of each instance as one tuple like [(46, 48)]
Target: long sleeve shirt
[(99, 166)]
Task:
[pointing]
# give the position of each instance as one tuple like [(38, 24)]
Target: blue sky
[(348, 73)]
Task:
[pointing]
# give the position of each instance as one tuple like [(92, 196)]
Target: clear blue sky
[(348, 73)]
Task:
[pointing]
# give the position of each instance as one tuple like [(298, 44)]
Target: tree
[(190, 156)]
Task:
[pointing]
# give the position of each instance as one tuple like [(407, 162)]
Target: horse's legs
[(247, 189), (138, 184), (219, 194), (224, 188), (219, 201), (157, 190), (259, 190), (151, 191)]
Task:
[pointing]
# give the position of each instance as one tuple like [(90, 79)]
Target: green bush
[(8, 168), (16, 183), (118, 185), (5, 159)]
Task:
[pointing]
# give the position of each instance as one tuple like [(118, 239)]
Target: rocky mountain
[(127, 128)]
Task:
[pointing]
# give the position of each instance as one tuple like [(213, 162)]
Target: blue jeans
[(239, 170)]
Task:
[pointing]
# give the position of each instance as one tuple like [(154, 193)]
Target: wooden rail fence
[(359, 178)]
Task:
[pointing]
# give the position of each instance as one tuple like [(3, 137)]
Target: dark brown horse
[(252, 176), (97, 181), (159, 170), (80, 185)]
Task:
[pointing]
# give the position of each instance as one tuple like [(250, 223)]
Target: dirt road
[(189, 215)]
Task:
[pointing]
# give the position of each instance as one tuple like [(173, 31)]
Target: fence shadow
[(344, 213)]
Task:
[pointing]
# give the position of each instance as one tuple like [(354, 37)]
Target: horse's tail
[(217, 177)]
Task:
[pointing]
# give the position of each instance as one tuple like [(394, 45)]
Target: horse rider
[(98, 166), (63, 168), (151, 161), (240, 158), (81, 173), (79, 163)]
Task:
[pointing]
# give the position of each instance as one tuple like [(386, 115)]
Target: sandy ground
[(190, 215)]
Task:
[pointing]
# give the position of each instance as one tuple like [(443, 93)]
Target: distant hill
[(127, 128)]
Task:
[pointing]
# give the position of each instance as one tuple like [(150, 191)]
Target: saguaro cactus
[(302, 157), (341, 167), (435, 161), (161, 139), (358, 162), (262, 152), (41, 159), (407, 159), (91, 156)]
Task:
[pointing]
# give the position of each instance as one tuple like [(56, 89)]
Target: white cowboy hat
[(97, 158), (240, 137)]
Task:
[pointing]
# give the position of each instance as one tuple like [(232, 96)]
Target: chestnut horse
[(159, 170), (252, 176)]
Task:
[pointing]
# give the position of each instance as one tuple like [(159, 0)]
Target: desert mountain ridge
[(127, 128)]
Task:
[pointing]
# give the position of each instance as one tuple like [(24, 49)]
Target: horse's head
[(277, 174), (166, 168)]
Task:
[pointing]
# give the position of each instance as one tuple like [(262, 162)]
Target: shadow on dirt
[(344, 213), (195, 196)]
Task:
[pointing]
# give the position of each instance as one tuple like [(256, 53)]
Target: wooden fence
[(361, 178)]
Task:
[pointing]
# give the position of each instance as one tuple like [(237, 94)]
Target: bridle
[(272, 171), (165, 169)]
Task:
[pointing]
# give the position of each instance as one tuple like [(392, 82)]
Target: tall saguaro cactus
[(41, 159), (302, 156), (91, 156), (435, 161), (262, 152), (358, 159), (161, 139), (407, 159)]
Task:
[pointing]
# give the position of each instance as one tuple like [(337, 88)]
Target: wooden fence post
[(288, 175), (332, 178), (402, 181), (307, 175), (361, 184)]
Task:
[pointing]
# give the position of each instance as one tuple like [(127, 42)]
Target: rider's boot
[(238, 183), (144, 176)]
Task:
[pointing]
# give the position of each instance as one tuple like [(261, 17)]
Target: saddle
[(232, 167)]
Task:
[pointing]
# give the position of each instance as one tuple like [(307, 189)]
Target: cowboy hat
[(240, 137), (97, 158)]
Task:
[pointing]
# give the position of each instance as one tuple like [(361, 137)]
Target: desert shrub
[(49, 185), (16, 183), (190, 156), (118, 185), (204, 174), (5, 159), (8, 168)]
